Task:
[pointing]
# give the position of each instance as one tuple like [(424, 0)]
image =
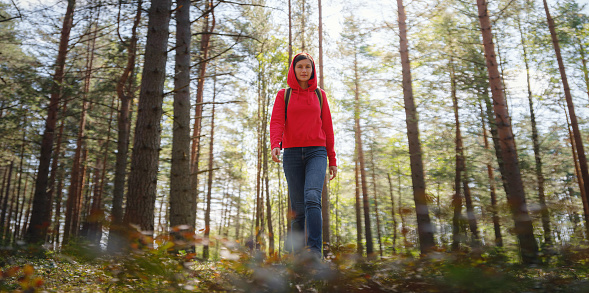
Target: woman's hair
[(304, 56)]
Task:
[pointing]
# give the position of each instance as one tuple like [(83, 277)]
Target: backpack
[(288, 92)]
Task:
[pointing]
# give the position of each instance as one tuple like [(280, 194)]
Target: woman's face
[(303, 70)]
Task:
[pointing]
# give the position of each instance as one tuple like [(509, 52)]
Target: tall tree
[(37, 228), (456, 197), (325, 206), (492, 190), (75, 190), (569, 99), (180, 193), (124, 89), (146, 145), (375, 194), (393, 213), (5, 222), (512, 175), (461, 174), (205, 253), (359, 245), (205, 40), (535, 141), (424, 225)]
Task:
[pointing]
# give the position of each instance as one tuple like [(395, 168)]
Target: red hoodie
[(306, 125)]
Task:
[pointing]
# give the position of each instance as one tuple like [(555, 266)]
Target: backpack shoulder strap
[(287, 94), (320, 97)]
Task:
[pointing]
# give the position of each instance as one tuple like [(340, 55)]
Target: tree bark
[(461, 174), (536, 144), (265, 152), (378, 230), (75, 198), (37, 229), (28, 213), (58, 200), (584, 66), (303, 47), (393, 213), (181, 199), (21, 231), (580, 181), (359, 233), (325, 204), (493, 194), (144, 163), (424, 226), (208, 27), (4, 222), (514, 187), (205, 254), (365, 199), (17, 216), (124, 127), (571, 107), (457, 196)]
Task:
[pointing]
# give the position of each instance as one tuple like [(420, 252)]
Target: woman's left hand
[(332, 172)]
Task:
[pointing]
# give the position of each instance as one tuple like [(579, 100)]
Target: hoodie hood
[(292, 78)]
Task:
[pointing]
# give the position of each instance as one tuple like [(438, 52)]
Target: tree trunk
[(11, 211), (461, 174), (457, 197), (424, 226), (493, 194), (365, 199), (19, 182), (571, 107), (265, 152), (514, 188), (359, 233), (27, 213), (84, 196), (74, 198), (280, 212), (404, 229), (325, 207), (37, 229), (3, 199), (4, 221), (539, 175), (584, 66), (58, 200), (20, 219), (57, 154), (289, 33), (393, 213), (180, 193), (144, 163), (321, 78), (578, 175), (237, 216), (208, 27), (378, 230), (124, 127), (205, 253), (303, 47)]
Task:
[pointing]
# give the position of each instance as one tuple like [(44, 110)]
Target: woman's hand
[(276, 155), (332, 172)]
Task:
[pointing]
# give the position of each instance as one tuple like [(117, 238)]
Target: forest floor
[(80, 269)]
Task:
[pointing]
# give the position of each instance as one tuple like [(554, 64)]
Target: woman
[(304, 129)]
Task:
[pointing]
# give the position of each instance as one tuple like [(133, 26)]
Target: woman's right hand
[(276, 155)]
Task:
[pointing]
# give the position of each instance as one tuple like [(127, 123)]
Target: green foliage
[(159, 269)]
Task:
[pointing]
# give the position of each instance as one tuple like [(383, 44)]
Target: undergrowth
[(165, 268)]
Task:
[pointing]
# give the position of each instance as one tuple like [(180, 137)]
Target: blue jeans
[(304, 168)]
